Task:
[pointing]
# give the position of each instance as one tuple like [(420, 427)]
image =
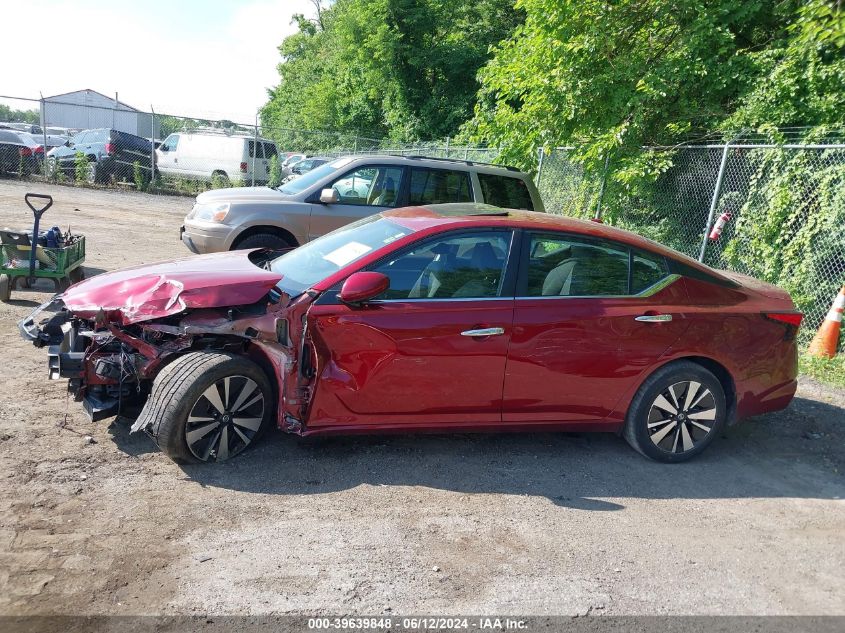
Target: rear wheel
[(676, 413), (264, 240), (220, 180), (91, 173), (209, 406), (5, 288)]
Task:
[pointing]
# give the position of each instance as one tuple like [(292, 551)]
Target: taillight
[(243, 167), (25, 151), (790, 318), (39, 150), (110, 148)]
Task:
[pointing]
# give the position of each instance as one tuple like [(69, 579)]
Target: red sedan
[(442, 318)]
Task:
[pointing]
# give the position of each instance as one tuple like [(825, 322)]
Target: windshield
[(306, 180), (301, 268)]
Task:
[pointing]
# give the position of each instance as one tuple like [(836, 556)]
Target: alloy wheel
[(225, 419), (682, 416)]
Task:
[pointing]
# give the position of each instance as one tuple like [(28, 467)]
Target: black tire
[(223, 179), (263, 240), (178, 392), (5, 288), (659, 429)]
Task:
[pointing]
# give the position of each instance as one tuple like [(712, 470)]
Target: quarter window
[(646, 270), (437, 186), (270, 150), (465, 266), (503, 191), (569, 266)]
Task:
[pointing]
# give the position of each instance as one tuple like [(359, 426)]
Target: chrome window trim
[(439, 299), (667, 281)]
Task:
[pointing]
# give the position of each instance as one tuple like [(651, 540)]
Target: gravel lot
[(527, 524)]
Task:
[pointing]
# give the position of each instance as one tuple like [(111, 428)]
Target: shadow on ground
[(796, 453)]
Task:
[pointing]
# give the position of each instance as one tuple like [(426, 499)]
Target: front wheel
[(676, 413), (209, 406)]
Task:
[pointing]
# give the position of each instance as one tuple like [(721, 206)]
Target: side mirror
[(363, 286), (329, 196), (68, 143)]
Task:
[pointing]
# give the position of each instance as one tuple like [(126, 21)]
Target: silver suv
[(342, 191)]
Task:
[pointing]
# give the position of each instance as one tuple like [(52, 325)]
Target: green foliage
[(219, 181), (398, 68), (275, 178), (791, 227), (139, 177), (23, 116), (80, 168), (826, 370), (609, 78)]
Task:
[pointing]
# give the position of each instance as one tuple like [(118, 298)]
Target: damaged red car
[(441, 318)]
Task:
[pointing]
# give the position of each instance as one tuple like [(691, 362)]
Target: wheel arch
[(718, 369), (725, 379), (264, 228)]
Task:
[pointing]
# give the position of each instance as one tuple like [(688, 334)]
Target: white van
[(206, 155)]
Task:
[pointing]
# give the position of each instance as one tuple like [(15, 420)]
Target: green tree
[(23, 116), (404, 69)]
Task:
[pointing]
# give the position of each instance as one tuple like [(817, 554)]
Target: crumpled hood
[(153, 291), (241, 194)]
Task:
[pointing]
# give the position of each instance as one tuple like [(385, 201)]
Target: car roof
[(437, 217)]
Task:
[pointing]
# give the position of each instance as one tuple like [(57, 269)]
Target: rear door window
[(569, 266), (252, 150), (504, 191), (438, 186)]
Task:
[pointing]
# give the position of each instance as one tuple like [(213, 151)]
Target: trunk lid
[(760, 287)]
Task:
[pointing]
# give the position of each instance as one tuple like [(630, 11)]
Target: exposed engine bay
[(110, 354)]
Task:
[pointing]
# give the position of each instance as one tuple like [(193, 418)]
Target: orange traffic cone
[(825, 340)]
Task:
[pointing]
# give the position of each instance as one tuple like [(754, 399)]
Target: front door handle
[(487, 331), (654, 318)]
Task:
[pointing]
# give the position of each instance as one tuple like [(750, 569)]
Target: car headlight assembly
[(215, 212)]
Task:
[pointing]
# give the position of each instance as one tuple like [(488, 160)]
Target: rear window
[(97, 136), (439, 186), (504, 191), (252, 149)]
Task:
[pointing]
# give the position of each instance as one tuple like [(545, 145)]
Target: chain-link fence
[(773, 212), (783, 207), (89, 139)]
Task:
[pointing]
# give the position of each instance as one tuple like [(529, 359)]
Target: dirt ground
[(528, 524)]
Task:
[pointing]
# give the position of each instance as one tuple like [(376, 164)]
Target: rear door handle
[(487, 331), (654, 318)]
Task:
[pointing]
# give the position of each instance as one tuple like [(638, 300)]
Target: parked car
[(452, 318), (110, 154), (215, 155), (306, 165), (290, 160), (320, 201), (53, 140), (18, 150), (30, 128)]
